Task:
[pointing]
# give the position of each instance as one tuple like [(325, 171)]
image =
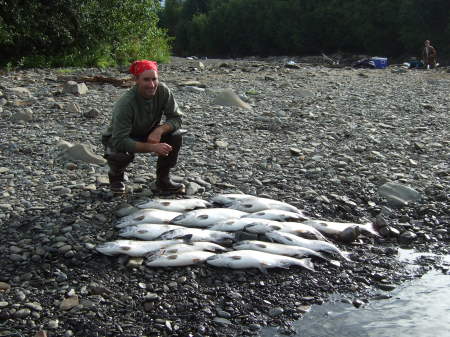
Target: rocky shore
[(343, 144)]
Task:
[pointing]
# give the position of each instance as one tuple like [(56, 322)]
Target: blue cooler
[(380, 62)]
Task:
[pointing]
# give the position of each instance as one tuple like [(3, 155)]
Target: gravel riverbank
[(343, 144)]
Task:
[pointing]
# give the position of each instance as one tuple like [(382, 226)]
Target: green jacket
[(134, 117)]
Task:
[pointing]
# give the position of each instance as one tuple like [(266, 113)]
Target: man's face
[(147, 83)]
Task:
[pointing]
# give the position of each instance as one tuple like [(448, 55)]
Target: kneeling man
[(136, 128)]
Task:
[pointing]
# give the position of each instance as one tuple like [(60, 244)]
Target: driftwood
[(118, 82)]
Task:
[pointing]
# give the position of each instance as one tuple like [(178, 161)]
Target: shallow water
[(420, 307)]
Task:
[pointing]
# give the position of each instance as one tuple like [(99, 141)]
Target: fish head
[(350, 234), (125, 231)]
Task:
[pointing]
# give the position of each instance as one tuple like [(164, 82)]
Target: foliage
[(80, 32), (287, 27)]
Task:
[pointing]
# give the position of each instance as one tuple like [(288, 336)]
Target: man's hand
[(161, 149)]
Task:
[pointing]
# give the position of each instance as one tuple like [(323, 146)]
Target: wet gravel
[(342, 144)]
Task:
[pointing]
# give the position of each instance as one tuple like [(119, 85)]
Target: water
[(418, 308)]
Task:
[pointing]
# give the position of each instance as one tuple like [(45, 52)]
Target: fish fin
[(307, 263), (139, 218), (165, 203), (263, 267), (187, 237), (284, 265), (346, 256), (247, 205)]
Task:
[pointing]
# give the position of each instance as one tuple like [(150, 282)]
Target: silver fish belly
[(244, 259), (174, 205), (178, 260), (204, 218), (197, 234), (132, 247), (256, 204), (296, 228), (227, 198), (179, 248), (238, 224), (337, 228), (277, 248), (317, 245), (146, 231), (155, 216), (277, 215)]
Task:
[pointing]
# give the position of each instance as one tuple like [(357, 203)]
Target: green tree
[(72, 32)]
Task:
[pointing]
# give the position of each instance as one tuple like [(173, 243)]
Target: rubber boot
[(164, 184), (117, 163), (117, 183)]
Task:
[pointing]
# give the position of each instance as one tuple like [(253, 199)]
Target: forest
[(108, 32)]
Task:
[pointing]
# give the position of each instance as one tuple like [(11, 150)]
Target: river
[(417, 308)]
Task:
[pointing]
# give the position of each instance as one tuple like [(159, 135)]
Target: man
[(136, 128), (429, 55)]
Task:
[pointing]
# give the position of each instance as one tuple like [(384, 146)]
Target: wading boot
[(165, 185), (116, 183)]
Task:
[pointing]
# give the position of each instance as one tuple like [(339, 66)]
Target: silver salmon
[(174, 205), (156, 216), (146, 231), (207, 217), (178, 260), (317, 245), (243, 259)]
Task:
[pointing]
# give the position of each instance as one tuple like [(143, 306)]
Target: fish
[(237, 224), (178, 260), (197, 234), (277, 215), (341, 229), (256, 204), (317, 245), (277, 248), (207, 217), (133, 247), (174, 205), (296, 228), (227, 198), (193, 246), (155, 216), (243, 259), (146, 231)]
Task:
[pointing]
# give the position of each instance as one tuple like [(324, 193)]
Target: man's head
[(427, 42), (146, 76)]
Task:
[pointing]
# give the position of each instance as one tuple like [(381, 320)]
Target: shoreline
[(322, 139)]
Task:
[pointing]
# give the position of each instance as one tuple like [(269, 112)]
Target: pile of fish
[(182, 232)]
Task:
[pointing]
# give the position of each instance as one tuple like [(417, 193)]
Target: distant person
[(136, 128), (429, 55)]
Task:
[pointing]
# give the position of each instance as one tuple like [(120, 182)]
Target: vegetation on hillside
[(299, 27), (53, 33)]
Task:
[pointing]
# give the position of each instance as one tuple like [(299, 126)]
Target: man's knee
[(175, 140)]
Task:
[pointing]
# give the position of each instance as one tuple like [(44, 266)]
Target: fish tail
[(307, 263)]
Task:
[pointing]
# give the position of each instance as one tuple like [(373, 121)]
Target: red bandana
[(138, 67)]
